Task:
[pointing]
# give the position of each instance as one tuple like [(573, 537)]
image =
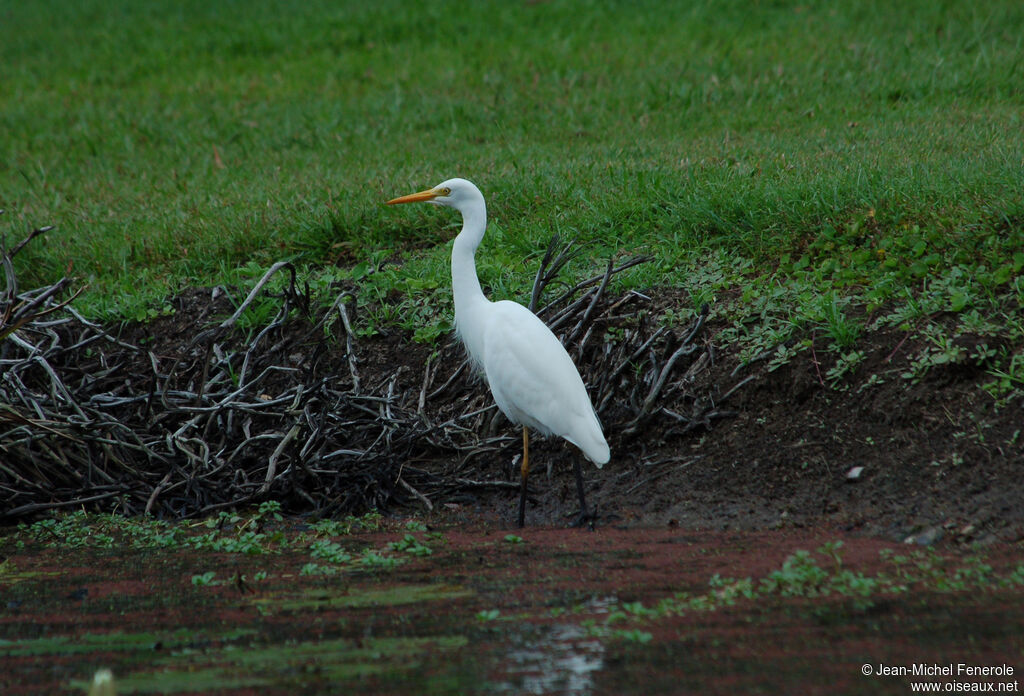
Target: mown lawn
[(802, 159)]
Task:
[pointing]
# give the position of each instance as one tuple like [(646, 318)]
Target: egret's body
[(532, 378)]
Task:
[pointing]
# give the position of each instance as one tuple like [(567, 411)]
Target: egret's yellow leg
[(525, 470)]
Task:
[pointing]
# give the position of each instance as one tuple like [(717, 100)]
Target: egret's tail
[(591, 442)]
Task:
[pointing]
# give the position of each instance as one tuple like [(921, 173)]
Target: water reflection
[(553, 658)]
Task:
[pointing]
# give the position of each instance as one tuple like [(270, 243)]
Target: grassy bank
[(808, 157)]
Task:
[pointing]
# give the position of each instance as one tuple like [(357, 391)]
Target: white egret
[(532, 378)]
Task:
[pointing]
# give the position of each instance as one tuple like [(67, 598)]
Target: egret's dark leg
[(525, 471), (585, 516)]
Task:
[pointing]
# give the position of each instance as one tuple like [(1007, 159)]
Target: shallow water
[(617, 611)]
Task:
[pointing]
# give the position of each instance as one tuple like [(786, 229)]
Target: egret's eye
[(446, 191)]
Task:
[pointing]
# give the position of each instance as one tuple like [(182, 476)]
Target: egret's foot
[(584, 518)]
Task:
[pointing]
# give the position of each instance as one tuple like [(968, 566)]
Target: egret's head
[(455, 193)]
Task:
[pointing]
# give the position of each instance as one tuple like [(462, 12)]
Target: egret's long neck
[(470, 302)]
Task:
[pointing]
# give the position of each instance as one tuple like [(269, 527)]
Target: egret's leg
[(525, 471), (585, 516)]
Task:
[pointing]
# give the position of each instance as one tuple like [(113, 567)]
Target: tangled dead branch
[(302, 411)]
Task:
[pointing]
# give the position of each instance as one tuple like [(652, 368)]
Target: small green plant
[(784, 353), (727, 591), (1016, 577), (513, 539), (800, 576), (228, 532), (1008, 380), (634, 635), (606, 630), (205, 579), (269, 510), (236, 532), (411, 545), (74, 530), (317, 569), (246, 542), (636, 609), (928, 569), (485, 615), (873, 380), (845, 365), (373, 559), (831, 549), (369, 522), (843, 330), (91, 530), (329, 551)]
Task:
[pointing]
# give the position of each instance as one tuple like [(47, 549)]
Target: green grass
[(857, 152)]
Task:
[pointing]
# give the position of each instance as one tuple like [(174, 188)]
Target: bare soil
[(936, 456)]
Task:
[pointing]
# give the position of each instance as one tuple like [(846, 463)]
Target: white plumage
[(532, 377), (534, 381)]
